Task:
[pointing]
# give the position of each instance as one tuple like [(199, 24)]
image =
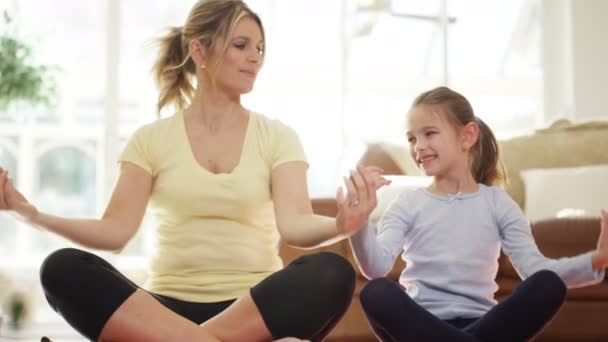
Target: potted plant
[(21, 81)]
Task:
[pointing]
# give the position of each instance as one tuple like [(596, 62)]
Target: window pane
[(301, 82), (421, 8), (65, 187), (143, 241), (8, 225), (138, 94), (495, 60), (7, 116), (68, 35), (389, 64), (8, 161)]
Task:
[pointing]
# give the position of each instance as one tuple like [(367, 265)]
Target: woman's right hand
[(12, 200)]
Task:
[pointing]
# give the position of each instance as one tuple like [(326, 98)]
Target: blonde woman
[(225, 184)]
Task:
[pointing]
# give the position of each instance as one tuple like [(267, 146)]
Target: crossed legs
[(394, 316), (306, 300)]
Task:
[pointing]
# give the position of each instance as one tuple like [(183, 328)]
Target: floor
[(56, 331)]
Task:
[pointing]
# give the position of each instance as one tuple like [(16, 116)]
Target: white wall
[(575, 59)]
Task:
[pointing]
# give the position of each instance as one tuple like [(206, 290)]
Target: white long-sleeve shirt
[(451, 245)]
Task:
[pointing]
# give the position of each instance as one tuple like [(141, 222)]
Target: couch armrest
[(559, 237), (376, 155)]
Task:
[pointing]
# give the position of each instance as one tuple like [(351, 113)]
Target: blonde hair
[(174, 71), (484, 162)]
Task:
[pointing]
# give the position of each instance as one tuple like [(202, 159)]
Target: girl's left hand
[(602, 241), (355, 207)]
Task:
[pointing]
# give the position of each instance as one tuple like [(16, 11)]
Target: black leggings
[(394, 316), (306, 299)]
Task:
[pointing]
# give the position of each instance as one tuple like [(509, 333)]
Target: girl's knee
[(375, 290), (549, 286), (377, 295)]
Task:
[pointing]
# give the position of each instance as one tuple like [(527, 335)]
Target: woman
[(224, 184)]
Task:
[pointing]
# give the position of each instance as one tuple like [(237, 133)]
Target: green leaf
[(7, 18), (20, 79)]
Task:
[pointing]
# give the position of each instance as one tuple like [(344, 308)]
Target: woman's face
[(239, 67)]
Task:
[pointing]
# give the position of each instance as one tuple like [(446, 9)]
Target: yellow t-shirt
[(217, 234)]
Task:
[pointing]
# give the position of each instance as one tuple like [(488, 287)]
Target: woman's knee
[(60, 266), (334, 272), (84, 288), (332, 278), (308, 297)]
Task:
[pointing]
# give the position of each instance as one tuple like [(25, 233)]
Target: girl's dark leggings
[(394, 316), (306, 299)]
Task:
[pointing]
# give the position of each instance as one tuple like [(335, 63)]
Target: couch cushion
[(562, 145), (388, 157), (596, 292), (550, 193), (558, 238)]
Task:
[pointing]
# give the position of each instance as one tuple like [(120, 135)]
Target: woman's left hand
[(355, 207)]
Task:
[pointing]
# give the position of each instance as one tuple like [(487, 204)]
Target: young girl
[(451, 234), (224, 183)]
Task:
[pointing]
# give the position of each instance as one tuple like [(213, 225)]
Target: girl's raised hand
[(602, 241), (360, 200)]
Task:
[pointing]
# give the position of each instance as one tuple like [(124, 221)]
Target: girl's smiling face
[(434, 142)]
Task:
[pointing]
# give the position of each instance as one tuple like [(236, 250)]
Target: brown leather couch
[(583, 317)]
